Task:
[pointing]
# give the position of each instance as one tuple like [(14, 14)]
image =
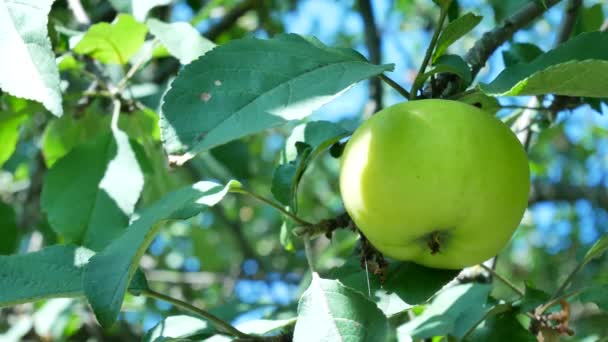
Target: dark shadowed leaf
[(89, 194), (8, 229), (521, 53)]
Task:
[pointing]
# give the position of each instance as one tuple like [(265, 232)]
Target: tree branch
[(373, 43), (231, 18), (544, 191), (561, 102), (479, 54)]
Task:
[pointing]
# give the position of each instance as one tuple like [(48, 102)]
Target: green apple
[(436, 182)]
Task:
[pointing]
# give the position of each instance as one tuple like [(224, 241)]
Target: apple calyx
[(435, 239)]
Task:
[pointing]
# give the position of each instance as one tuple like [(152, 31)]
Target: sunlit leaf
[(182, 40), (330, 311), (113, 43), (27, 61), (455, 30), (248, 85), (55, 271), (108, 273), (578, 67)]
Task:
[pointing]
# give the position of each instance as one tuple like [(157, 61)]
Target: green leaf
[(577, 67), (480, 100), (29, 69), (597, 295), (598, 248), (452, 64), (455, 30), (589, 19), (89, 194), (415, 283), (248, 85), (306, 142), (8, 229), (61, 135), (330, 311), (235, 156), (9, 133), (503, 327), (108, 273), (282, 182), (453, 311), (182, 40), (55, 271), (178, 327), (444, 4), (113, 43), (520, 53), (533, 297)]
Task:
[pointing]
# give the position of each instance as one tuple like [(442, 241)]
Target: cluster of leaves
[(101, 166)]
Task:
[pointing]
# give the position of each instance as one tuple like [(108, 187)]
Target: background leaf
[(113, 43), (92, 207), (455, 30), (182, 40), (108, 273), (248, 85), (29, 70), (8, 229)]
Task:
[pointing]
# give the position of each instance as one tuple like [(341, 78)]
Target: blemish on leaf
[(217, 83), (205, 97), (200, 137)]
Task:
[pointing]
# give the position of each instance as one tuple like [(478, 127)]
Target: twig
[(395, 86), (561, 102), (503, 279), (218, 322), (477, 56), (231, 17), (428, 54), (273, 204), (372, 40), (79, 13), (572, 8)]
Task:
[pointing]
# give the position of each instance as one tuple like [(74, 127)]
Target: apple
[(436, 182)]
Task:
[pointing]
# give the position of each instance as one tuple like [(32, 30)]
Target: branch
[(479, 54), (216, 321), (543, 191), (565, 31), (561, 102), (231, 18), (372, 40)]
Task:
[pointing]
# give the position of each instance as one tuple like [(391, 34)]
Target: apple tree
[(274, 170)]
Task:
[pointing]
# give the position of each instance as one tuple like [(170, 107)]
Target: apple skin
[(436, 182)]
